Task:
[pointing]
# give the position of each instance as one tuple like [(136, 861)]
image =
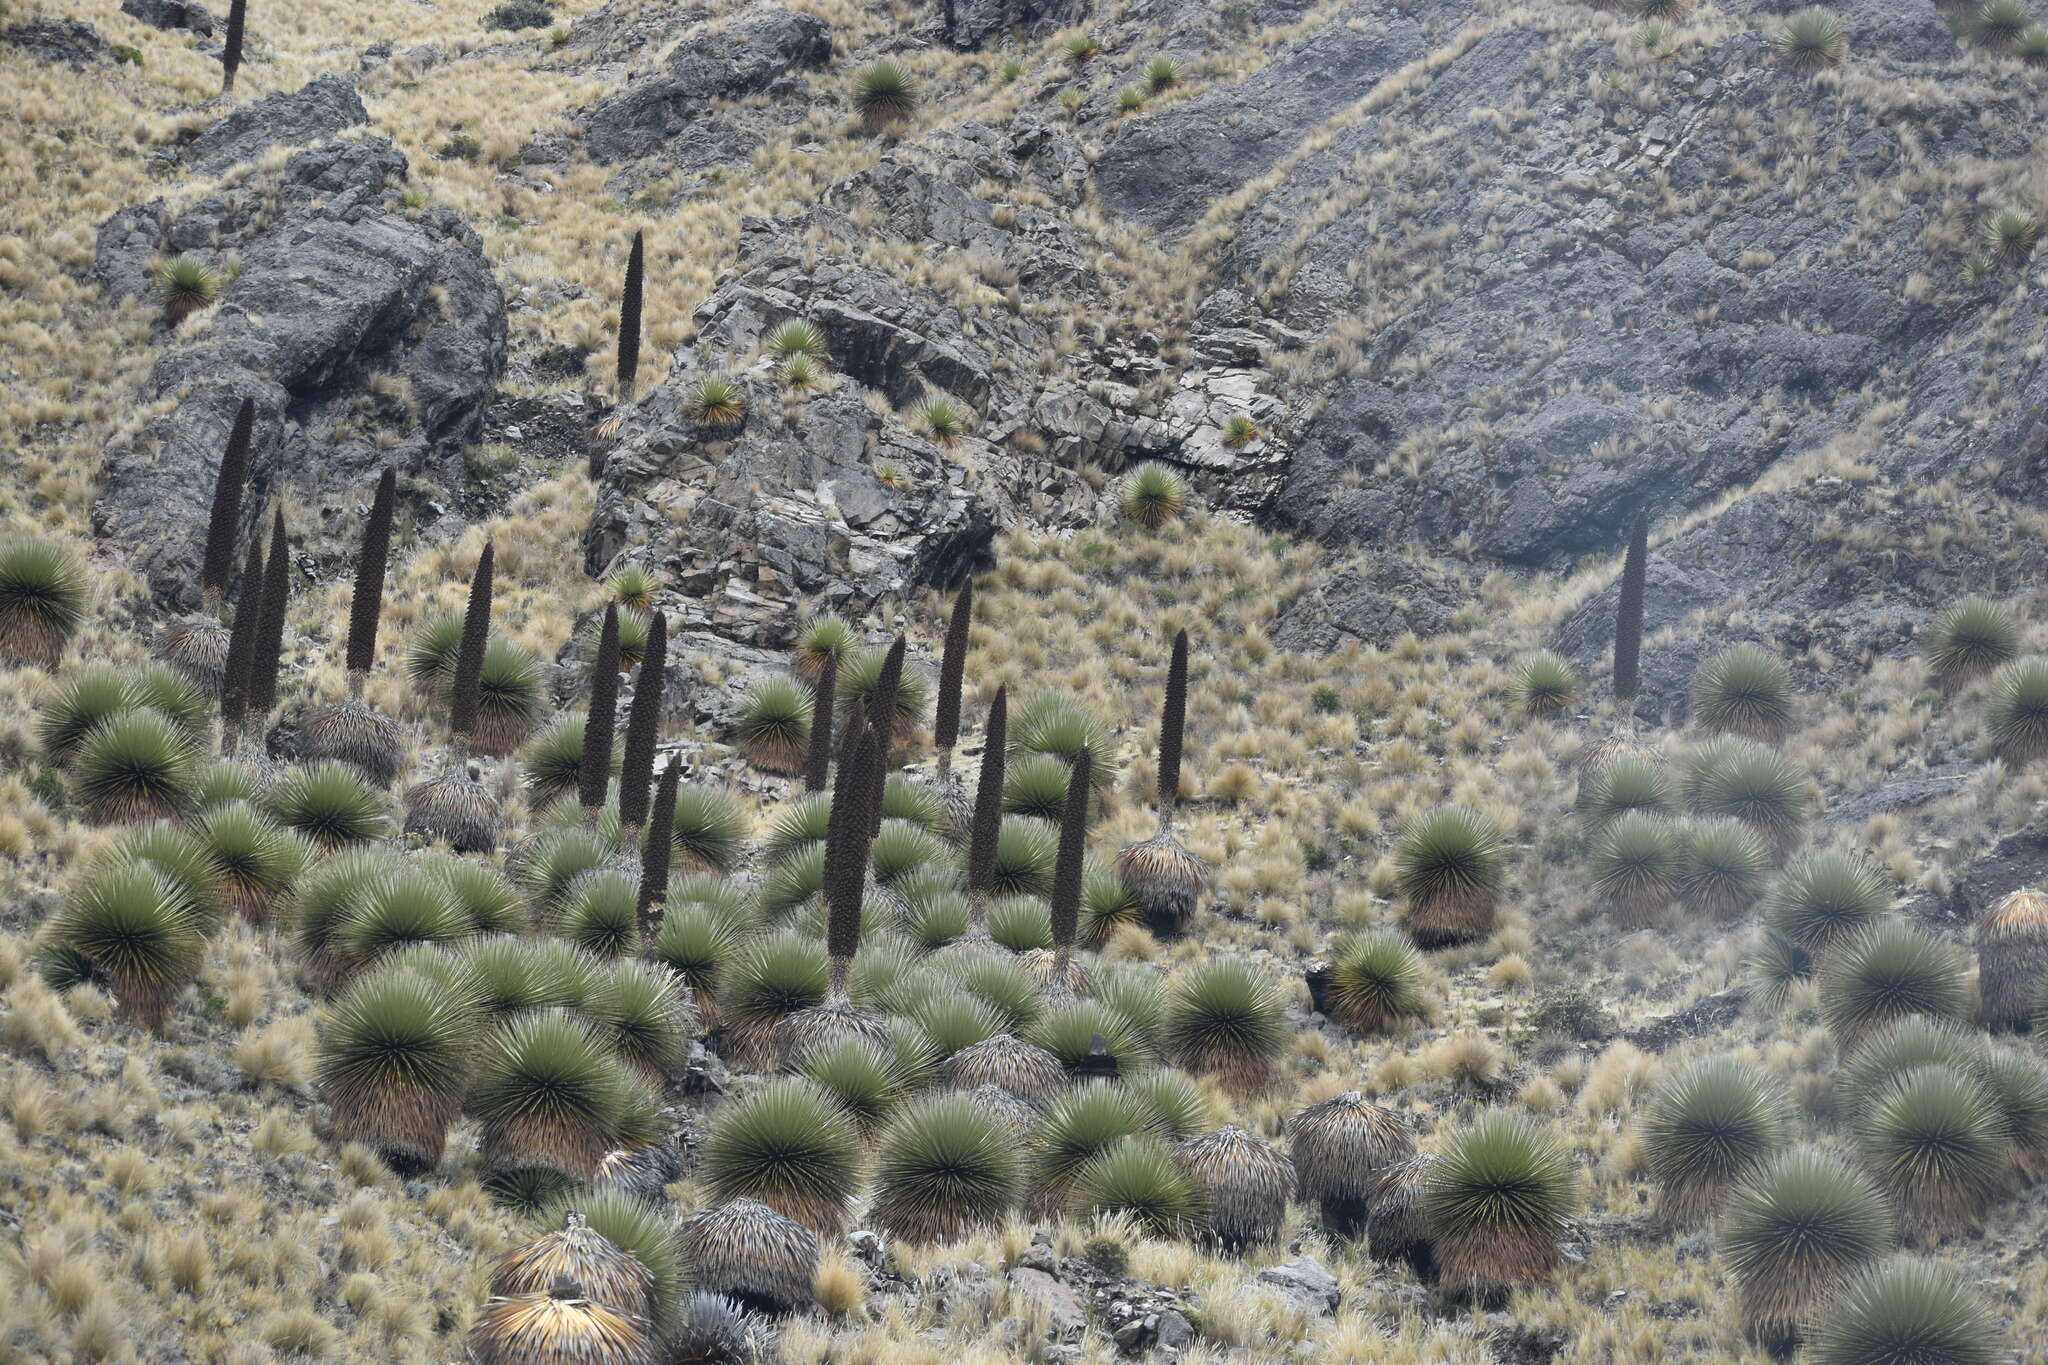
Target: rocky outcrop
[(971, 23), (1372, 602), (1794, 568), (756, 53), (804, 506), (171, 14), (833, 499), (319, 109), (71, 41), (1527, 324), (367, 336), (1165, 169)]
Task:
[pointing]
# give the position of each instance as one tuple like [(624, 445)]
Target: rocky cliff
[(1487, 280)]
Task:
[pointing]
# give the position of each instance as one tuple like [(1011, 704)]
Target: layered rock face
[(765, 50), (1518, 290), (1486, 283), (367, 334)]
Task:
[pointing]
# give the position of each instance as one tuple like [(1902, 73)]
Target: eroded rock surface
[(750, 55), (367, 335)]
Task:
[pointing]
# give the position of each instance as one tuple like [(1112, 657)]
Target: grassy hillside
[(178, 1193)]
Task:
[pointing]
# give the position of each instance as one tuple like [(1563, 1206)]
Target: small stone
[(1305, 1280)]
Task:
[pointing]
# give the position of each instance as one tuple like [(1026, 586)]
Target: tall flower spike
[(595, 773), (643, 730), (882, 720), (234, 693), (952, 671), (629, 319), (1172, 722), (818, 761), (660, 849), (1165, 879), (467, 691), (277, 589), (988, 808), (847, 841), (1066, 877), (368, 602), (231, 51), (224, 523), (1628, 618)]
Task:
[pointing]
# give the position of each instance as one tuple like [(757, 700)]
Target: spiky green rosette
[(759, 1258), (1450, 870), (1374, 981), (790, 1146), (1245, 1183), (1717, 1121), (138, 766), (43, 596), (456, 808), (138, 931), (549, 1095), (1888, 969), (1340, 1146), (1937, 1142), (1912, 1312), (774, 727), (395, 1055), (1745, 691), (1969, 640), (1079, 1125), (767, 979), (1497, 1201), (257, 861), (1793, 1232), (943, 1169), (511, 699), (1223, 1020)]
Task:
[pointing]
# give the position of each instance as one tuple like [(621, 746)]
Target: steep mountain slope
[(1426, 299)]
